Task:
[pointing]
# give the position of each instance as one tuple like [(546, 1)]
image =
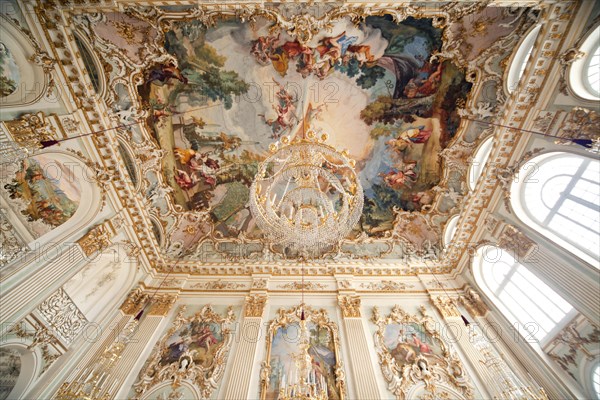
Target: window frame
[(482, 272), (577, 73), (523, 213)]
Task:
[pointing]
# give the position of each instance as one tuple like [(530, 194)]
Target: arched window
[(520, 58), (450, 229), (481, 156), (530, 305), (596, 380), (558, 194), (584, 74)]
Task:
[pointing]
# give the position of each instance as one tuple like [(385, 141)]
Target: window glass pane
[(588, 191), (546, 290), (593, 72), (562, 195), (596, 380), (549, 308), (552, 190), (575, 234), (525, 298), (526, 310)]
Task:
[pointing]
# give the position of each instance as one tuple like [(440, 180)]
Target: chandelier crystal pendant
[(306, 196)]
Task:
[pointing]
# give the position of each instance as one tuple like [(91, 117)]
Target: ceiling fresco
[(202, 93)]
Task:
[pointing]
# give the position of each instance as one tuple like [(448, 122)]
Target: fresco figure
[(10, 75)]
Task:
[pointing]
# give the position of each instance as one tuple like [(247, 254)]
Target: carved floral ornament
[(411, 352), (159, 304), (194, 350), (292, 316)]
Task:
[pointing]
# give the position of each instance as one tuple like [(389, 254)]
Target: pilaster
[(242, 369)]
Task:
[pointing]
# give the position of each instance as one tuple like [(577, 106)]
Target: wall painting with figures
[(373, 88), (45, 192)]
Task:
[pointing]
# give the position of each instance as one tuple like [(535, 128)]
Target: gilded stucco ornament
[(255, 305), (350, 306), (473, 302), (30, 129), (41, 337), (97, 239), (445, 306), (204, 373), (63, 315), (420, 354)]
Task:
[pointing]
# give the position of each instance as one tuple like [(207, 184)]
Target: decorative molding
[(302, 286), (580, 123), (41, 337), (473, 303), (255, 305), (11, 245), (63, 315), (386, 286), (417, 365), (445, 306), (97, 239), (218, 285), (350, 306), (134, 302), (293, 315), (205, 376), (514, 240), (30, 129), (161, 304), (260, 283), (574, 345)]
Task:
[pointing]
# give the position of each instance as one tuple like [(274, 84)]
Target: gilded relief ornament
[(30, 129), (97, 239), (194, 350), (473, 303), (255, 305), (63, 315), (445, 306), (302, 286), (350, 306), (516, 241), (411, 351)]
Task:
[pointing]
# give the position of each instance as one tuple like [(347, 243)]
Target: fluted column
[(363, 375), (22, 298), (239, 380), (19, 298)]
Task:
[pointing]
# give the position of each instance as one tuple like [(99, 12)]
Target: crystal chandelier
[(306, 196), (303, 383)]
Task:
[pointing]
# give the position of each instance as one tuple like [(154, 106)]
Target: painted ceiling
[(200, 94)]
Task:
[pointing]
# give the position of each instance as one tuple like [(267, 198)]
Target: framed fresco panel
[(280, 372), (194, 350), (411, 352)]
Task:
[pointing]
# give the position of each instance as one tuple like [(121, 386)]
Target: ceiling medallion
[(306, 196)]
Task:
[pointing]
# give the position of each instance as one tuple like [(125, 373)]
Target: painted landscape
[(10, 76), (46, 191), (234, 90)]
